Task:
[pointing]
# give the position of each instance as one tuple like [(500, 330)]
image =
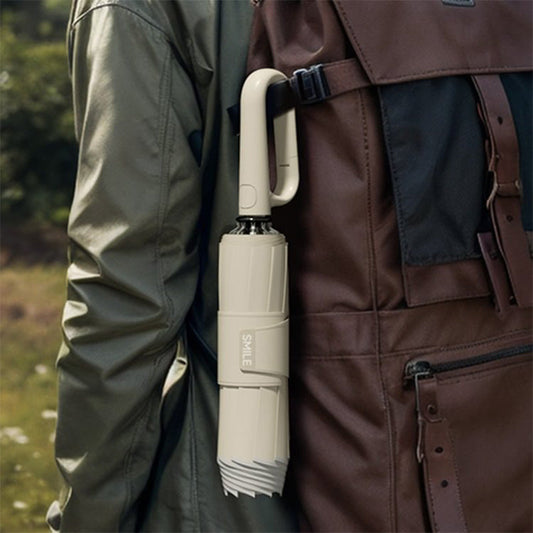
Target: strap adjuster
[(310, 85)]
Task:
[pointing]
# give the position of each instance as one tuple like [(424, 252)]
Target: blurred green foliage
[(38, 148), (31, 299)]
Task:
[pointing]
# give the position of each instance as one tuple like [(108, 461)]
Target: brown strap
[(346, 75), (435, 451), (496, 270), (504, 200)]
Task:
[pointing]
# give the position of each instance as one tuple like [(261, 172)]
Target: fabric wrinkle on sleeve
[(133, 262)]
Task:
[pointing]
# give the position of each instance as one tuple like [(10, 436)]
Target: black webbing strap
[(309, 86)]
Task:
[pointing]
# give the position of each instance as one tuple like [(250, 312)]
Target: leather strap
[(346, 75), (435, 451), (496, 270), (504, 199)]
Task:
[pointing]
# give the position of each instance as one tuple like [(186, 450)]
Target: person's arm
[(133, 254)]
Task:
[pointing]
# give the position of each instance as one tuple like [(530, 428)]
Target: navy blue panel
[(435, 145)]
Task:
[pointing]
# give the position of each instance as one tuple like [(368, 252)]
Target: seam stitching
[(141, 422), (452, 70), (458, 487), (430, 491), (194, 466), (130, 10), (394, 178), (376, 318), (510, 336), (128, 459), (165, 142), (352, 33)]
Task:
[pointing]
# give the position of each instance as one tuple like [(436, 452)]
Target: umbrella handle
[(255, 196)]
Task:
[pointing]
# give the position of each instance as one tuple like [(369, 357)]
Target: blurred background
[(37, 170)]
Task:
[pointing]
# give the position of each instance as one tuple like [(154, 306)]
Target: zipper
[(420, 369), (422, 372), (434, 446)]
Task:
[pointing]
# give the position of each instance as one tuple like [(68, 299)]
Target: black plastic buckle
[(310, 85)]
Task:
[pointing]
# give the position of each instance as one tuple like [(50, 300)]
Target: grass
[(31, 299)]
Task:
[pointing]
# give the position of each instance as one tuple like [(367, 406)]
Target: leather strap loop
[(504, 200), (435, 451), (496, 271), (509, 189), (346, 75), (499, 122)]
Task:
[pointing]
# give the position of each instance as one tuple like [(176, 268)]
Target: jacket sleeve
[(133, 260)]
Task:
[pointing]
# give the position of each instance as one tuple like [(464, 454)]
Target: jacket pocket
[(474, 418)]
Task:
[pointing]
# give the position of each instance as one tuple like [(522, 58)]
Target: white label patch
[(247, 349)]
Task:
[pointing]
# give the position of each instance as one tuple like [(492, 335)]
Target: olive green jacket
[(156, 187)]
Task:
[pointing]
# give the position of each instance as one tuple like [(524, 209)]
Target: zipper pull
[(417, 369), (413, 373)]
